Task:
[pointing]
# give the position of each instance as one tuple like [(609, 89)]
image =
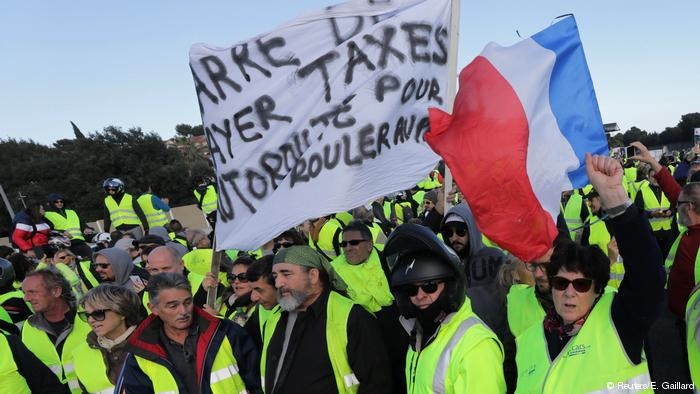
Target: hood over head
[(463, 213), (121, 265)]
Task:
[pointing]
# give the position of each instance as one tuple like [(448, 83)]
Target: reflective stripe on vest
[(209, 202), (69, 223), (651, 203), (428, 370), (39, 343), (444, 360), (267, 331), (572, 213), (122, 213), (617, 274), (91, 370), (154, 216), (224, 377), (668, 263), (12, 381), (590, 361), (692, 319), (337, 312)]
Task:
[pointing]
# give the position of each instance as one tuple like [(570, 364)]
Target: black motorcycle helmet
[(414, 254), (7, 274)]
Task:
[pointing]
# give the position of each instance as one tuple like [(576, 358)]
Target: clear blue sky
[(126, 63)]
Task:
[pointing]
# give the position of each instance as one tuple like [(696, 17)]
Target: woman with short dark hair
[(113, 312), (593, 339)]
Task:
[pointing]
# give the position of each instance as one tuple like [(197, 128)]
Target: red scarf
[(554, 323)]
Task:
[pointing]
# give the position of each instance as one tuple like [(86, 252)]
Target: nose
[(279, 282), (570, 291)]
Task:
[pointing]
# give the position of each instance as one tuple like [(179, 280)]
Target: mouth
[(569, 306)]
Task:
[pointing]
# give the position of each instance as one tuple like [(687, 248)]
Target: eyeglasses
[(101, 266), (241, 277), (681, 202), (111, 189), (448, 232), (427, 287), (61, 257), (532, 267), (284, 244), (97, 315), (353, 242), (581, 285), (58, 202)]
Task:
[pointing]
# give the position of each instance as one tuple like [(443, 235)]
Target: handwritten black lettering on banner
[(293, 117)]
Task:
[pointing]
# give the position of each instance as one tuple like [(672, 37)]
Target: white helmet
[(102, 239)]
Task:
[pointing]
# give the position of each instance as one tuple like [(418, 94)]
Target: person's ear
[(314, 275)]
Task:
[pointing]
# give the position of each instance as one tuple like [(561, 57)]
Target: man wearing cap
[(321, 342), (431, 215), (451, 350), (481, 264)]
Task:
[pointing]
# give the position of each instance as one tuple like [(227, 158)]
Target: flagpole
[(451, 85)]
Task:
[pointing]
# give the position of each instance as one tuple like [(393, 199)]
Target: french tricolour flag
[(523, 118)]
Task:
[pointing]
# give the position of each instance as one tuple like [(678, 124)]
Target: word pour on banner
[(322, 114)]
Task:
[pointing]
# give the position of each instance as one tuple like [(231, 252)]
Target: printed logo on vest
[(577, 350)]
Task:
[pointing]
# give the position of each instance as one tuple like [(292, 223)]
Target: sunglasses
[(532, 267), (58, 202), (61, 257), (241, 277), (353, 242), (284, 244), (101, 266), (448, 232), (97, 315), (427, 287), (111, 189), (582, 285)]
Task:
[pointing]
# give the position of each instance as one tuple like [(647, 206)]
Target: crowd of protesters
[(404, 294)]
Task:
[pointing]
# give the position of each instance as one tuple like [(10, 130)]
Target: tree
[(185, 130), (77, 167)]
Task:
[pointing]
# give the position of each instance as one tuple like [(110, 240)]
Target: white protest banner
[(322, 114)]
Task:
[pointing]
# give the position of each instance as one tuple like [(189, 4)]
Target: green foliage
[(679, 136), (77, 167)]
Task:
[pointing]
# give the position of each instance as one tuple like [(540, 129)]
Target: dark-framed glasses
[(582, 285), (241, 277), (97, 314), (103, 266), (353, 242), (59, 202), (449, 232), (284, 244), (427, 287), (532, 267), (681, 202)]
